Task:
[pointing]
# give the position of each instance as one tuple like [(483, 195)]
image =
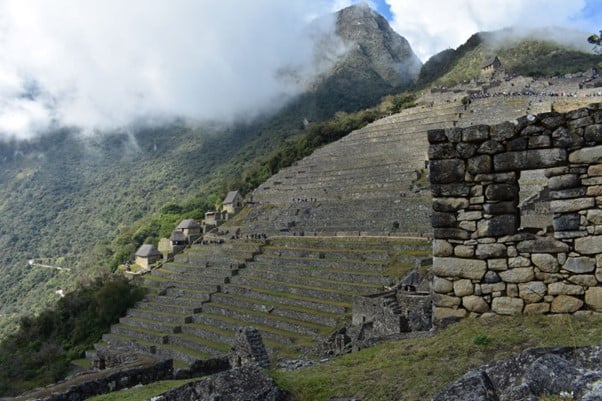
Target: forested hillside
[(538, 54), (85, 202)]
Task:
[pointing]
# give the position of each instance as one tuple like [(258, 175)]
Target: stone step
[(119, 341), (137, 333), (385, 244), (161, 316), (192, 303), (232, 324), (230, 246), (210, 332), (277, 309), (315, 282), (186, 356), (203, 259), (296, 289), (217, 271), (151, 324), (157, 304), (264, 318), (175, 292), (163, 283), (289, 299), (359, 178), (324, 264), (199, 344), (199, 275), (327, 253), (364, 277)]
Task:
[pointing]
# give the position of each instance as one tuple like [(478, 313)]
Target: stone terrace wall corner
[(483, 261)]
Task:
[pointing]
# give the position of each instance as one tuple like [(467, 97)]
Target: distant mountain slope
[(376, 61), (64, 198), (541, 53)]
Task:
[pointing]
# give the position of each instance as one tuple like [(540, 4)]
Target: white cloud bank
[(435, 25), (104, 64)]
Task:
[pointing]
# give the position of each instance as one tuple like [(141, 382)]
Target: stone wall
[(484, 262), (392, 312), (86, 386)]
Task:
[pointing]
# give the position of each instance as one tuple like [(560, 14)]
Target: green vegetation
[(417, 369), (159, 225), (41, 350), (596, 40), (91, 202), (141, 393), (529, 57)]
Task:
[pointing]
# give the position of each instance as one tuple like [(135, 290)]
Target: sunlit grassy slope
[(417, 369)]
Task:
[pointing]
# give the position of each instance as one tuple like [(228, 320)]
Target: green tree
[(596, 40)]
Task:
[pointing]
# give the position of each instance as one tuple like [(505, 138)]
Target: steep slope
[(374, 60), (541, 52), (65, 197), (296, 283)]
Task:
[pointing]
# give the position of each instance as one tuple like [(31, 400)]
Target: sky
[(107, 64)]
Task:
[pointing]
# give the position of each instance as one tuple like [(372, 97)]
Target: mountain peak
[(373, 40)]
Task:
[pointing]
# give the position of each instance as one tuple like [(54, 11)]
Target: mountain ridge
[(67, 196)]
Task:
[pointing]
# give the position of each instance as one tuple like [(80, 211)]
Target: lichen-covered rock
[(566, 304), (507, 306), (532, 292), (474, 303), (447, 314), (580, 265), (242, 384), (537, 308), (589, 245), (463, 287), (564, 289), (531, 375), (517, 275), (545, 262), (442, 285), (458, 267), (593, 298)]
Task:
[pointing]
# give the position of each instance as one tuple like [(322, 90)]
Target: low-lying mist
[(101, 66)]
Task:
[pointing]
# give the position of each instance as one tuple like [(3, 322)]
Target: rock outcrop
[(243, 384), (574, 373)]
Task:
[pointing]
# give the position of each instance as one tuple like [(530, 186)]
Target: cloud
[(106, 64), (433, 25), (101, 65)]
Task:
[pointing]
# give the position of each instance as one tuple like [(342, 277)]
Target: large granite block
[(529, 159)]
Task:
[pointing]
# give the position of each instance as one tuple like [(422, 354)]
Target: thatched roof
[(148, 250), (490, 61), (187, 224), (230, 197), (177, 236)]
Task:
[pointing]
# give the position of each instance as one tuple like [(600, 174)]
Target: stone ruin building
[(248, 349), (484, 261)]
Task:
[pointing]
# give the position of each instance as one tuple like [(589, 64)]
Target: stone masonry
[(484, 261)]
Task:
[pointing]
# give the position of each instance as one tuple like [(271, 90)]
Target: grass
[(142, 392), (417, 369)]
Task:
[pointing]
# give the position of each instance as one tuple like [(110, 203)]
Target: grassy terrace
[(359, 242), (417, 369), (296, 341), (296, 291)]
